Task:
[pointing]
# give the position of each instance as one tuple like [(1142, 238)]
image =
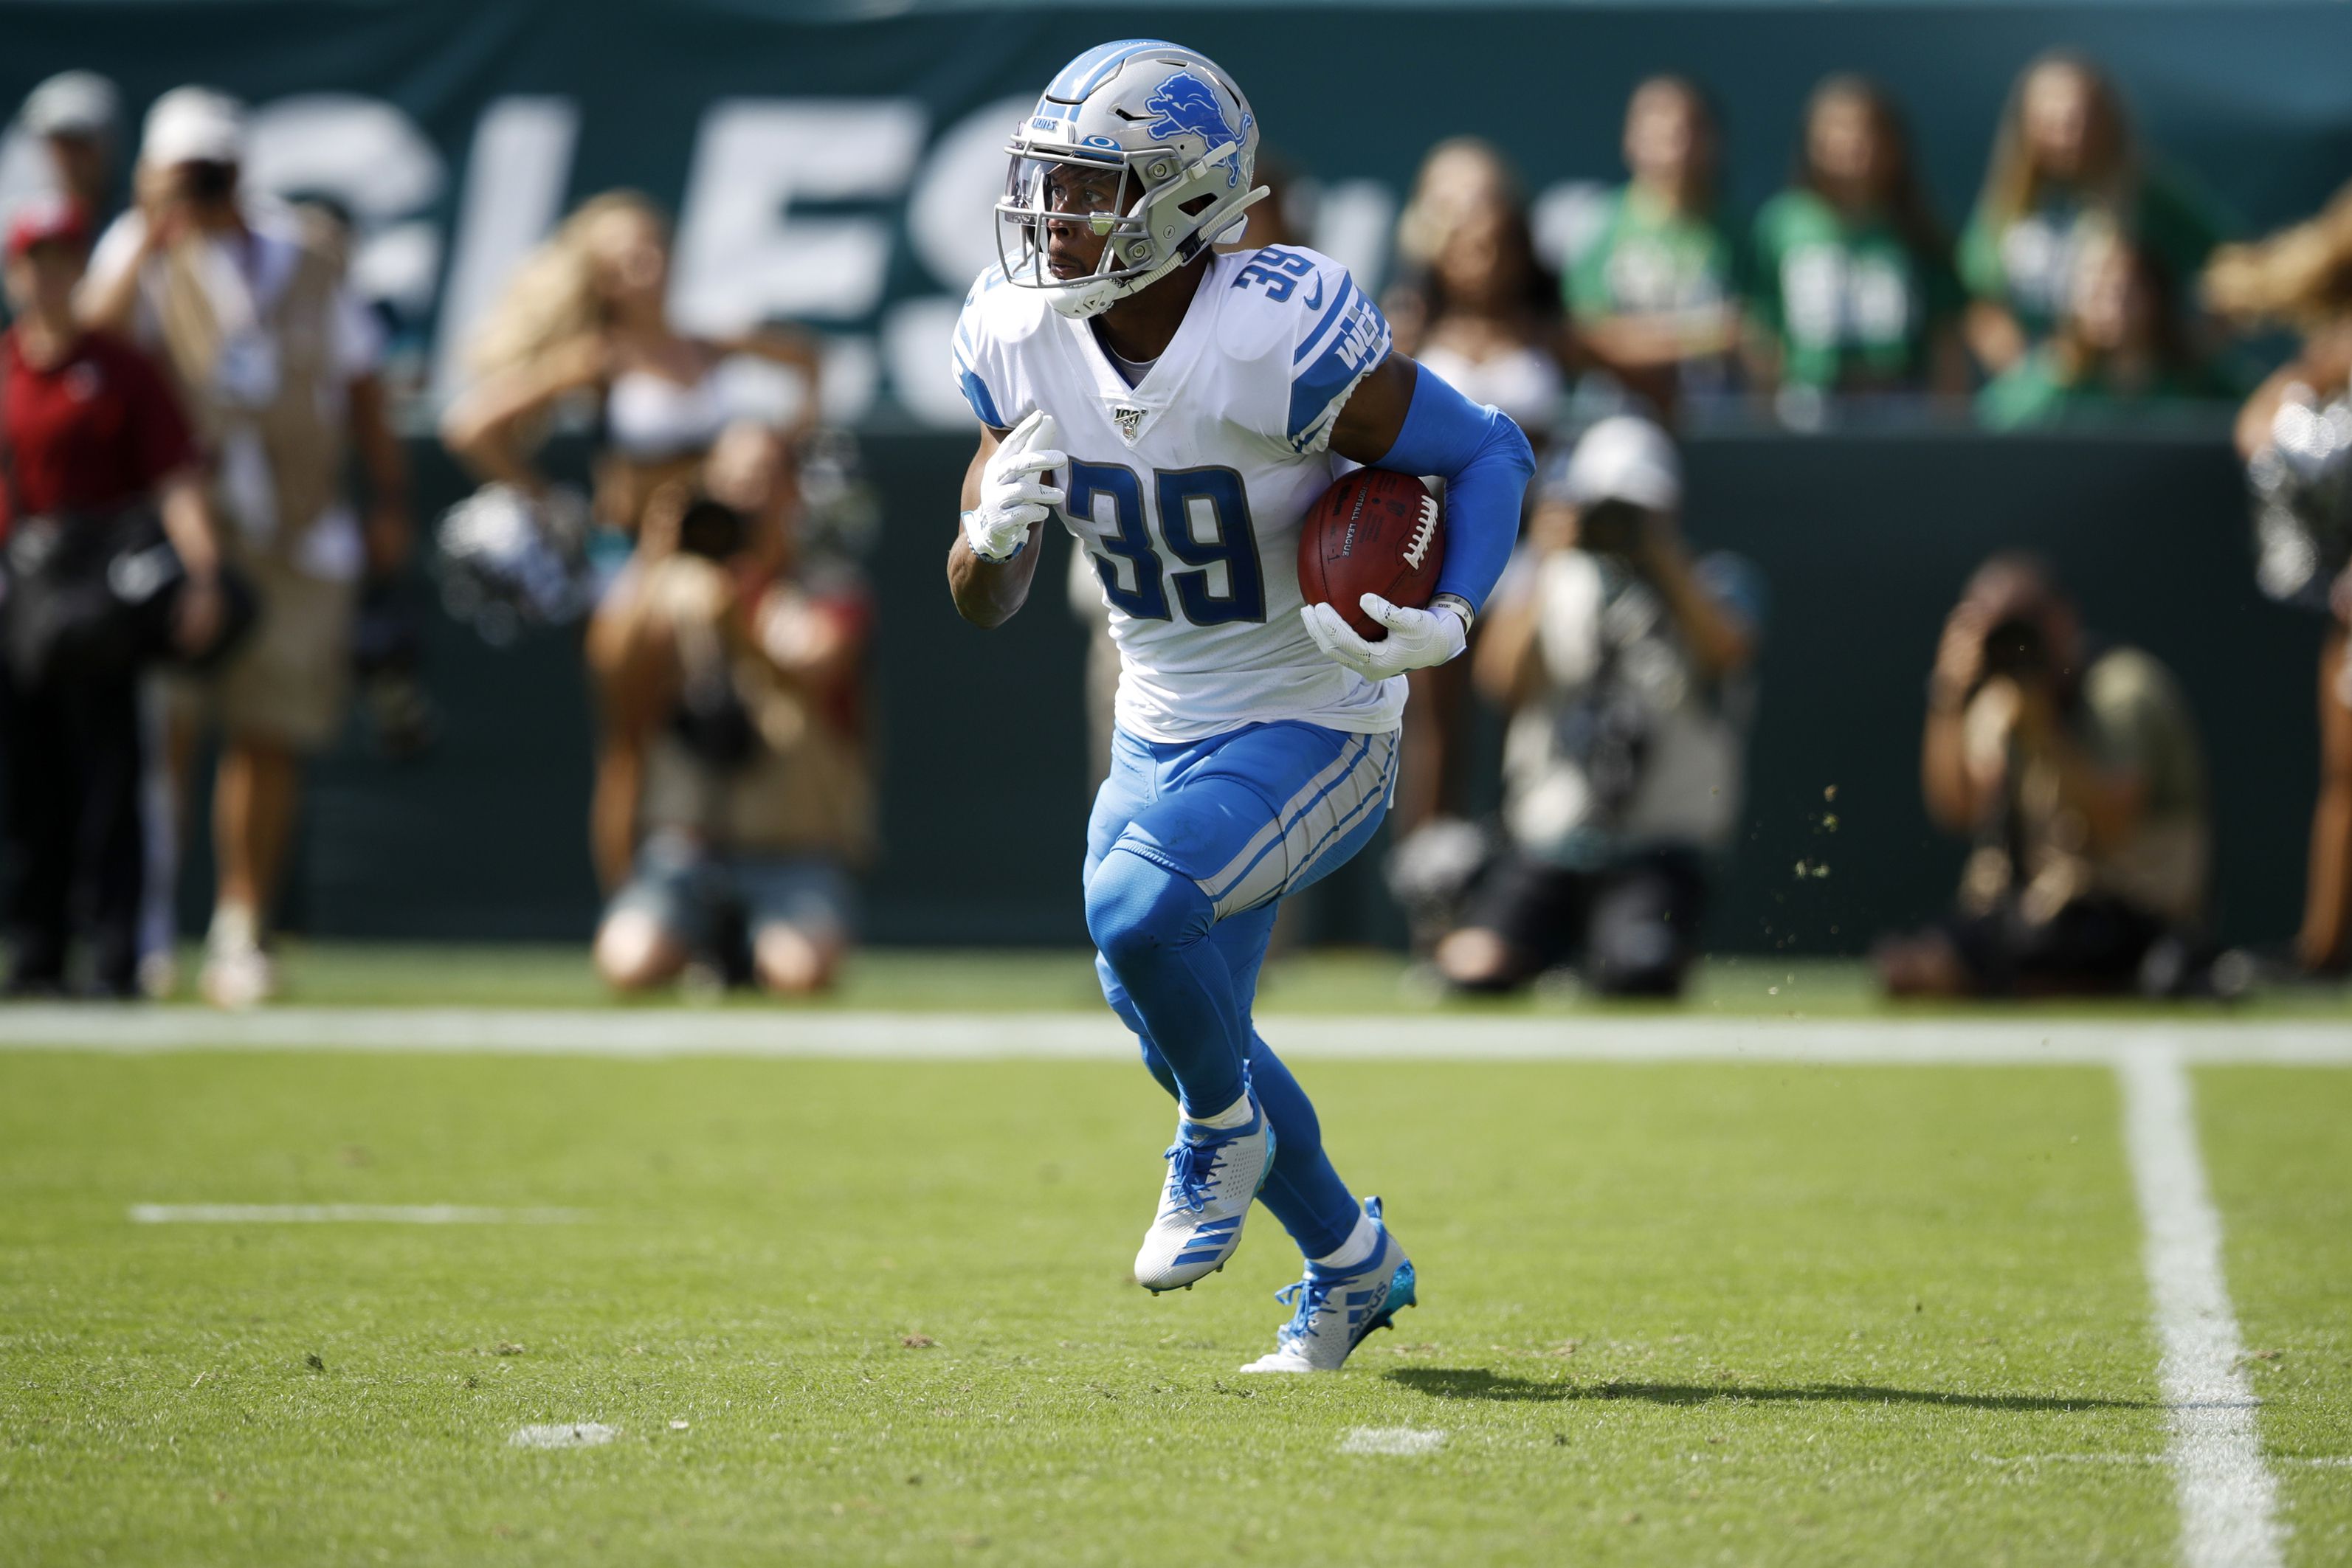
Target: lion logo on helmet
[(1188, 106)]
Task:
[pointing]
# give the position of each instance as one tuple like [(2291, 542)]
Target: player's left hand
[(1416, 640)]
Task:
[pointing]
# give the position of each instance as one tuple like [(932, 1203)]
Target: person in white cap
[(1626, 666), (276, 361), (78, 115)]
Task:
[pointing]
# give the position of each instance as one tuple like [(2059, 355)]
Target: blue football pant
[(1190, 850)]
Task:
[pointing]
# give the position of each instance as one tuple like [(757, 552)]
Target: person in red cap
[(92, 444)]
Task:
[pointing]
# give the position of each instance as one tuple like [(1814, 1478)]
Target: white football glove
[(1013, 492), (1416, 640)]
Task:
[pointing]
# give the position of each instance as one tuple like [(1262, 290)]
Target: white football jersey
[(1187, 489)]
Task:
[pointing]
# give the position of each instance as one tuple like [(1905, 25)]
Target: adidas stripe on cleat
[(1335, 1311), (1214, 1176)]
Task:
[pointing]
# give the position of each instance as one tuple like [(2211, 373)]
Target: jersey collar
[(1134, 410)]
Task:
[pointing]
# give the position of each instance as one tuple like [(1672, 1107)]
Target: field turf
[(879, 1311)]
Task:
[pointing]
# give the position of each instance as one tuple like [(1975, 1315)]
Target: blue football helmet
[(1152, 145)]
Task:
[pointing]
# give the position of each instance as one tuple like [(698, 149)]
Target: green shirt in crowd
[(2028, 265), (2038, 392), (1646, 259), (1848, 303)]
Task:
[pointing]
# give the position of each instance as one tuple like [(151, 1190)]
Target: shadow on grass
[(1476, 1382)]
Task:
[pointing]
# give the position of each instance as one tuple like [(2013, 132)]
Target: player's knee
[(634, 953), (1477, 959), (1137, 908), (792, 962)]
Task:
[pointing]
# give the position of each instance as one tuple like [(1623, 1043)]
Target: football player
[(1178, 409)]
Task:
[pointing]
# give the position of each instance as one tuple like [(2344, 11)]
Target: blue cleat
[(1214, 1176), (1335, 1311)]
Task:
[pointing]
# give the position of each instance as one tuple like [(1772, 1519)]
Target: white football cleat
[(1335, 1311), (1212, 1179)]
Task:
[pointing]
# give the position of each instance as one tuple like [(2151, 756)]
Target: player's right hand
[(1014, 490)]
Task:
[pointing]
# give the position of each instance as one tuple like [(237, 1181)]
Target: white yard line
[(570, 1435), (2228, 1498), (648, 1033), (1392, 1440), (344, 1213)]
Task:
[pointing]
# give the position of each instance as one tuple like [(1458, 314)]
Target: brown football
[(1372, 532)]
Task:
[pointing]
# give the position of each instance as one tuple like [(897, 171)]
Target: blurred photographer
[(276, 362), (111, 562), (2078, 773), (1626, 664), (731, 670)]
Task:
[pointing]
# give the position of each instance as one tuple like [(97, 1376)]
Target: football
[(1372, 532)]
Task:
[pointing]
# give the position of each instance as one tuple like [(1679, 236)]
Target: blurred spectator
[(1655, 294), (2066, 166), (2079, 775), (732, 668), (78, 115), (276, 362), (2120, 346), (587, 316), (102, 488), (1853, 284), (1457, 177), (1625, 664), (1487, 317), (2295, 432), (1477, 306)]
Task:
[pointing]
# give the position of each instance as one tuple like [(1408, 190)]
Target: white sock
[(236, 928), (1354, 1252), (1236, 1114)]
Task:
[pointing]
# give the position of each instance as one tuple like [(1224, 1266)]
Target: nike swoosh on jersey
[(1315, 302)]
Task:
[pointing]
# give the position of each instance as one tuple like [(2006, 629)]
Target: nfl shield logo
[(1128, 418)]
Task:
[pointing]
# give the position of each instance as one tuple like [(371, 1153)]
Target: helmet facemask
[(1136, 201)]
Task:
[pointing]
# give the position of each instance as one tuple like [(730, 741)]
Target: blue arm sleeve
[(1485, 463)]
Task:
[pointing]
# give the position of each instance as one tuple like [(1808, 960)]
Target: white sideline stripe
[(344, 1213), (640, 1032), (574, 1435), (2034, 1461), (2322, 1461), (1390, 1440), (2229, 1502)]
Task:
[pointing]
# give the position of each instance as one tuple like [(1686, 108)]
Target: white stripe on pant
[(1323, 811)]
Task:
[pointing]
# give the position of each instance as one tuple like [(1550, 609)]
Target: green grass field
[(878, 1311)]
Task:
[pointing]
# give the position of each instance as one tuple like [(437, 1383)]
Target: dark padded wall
[(1865, 541)]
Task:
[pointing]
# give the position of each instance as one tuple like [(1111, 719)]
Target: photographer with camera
[(276, 361), (1627, 668), (2079, 774), (111, 562), (730, 666)]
